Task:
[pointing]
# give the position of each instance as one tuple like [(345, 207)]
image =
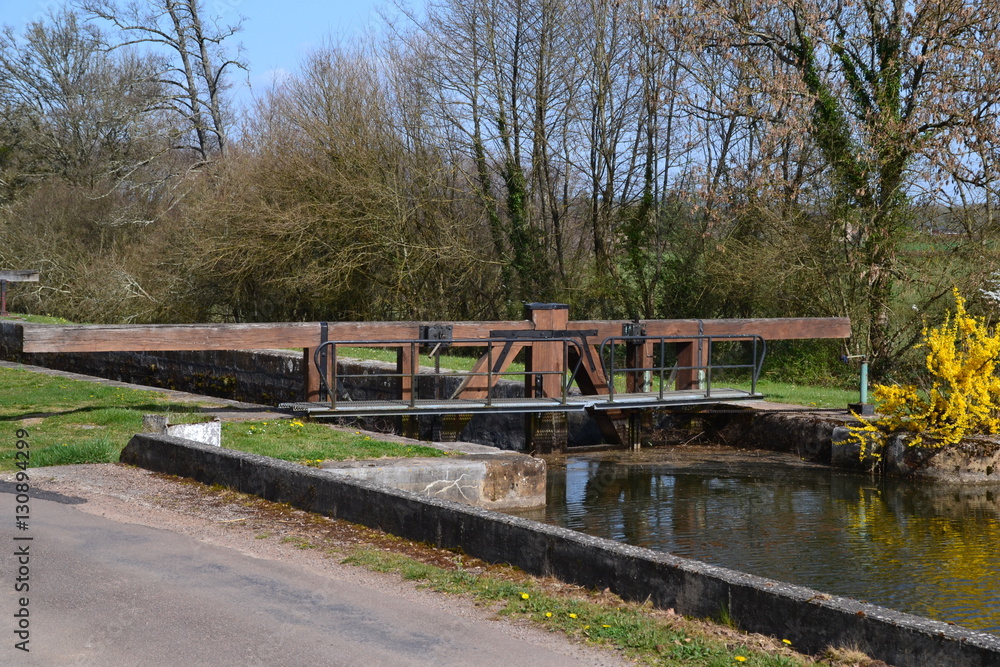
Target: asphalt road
[(106, 592)]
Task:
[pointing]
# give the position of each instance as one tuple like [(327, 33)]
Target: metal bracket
[(544, 333), (441, 333), (634, 328)]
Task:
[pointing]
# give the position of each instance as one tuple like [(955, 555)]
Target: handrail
[(329, 385), (757, 358)]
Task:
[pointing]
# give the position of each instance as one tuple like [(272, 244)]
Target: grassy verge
[(639, 632), (72, 421)]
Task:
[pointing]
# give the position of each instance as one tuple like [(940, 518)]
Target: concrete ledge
[(493, 481), (811, 620)]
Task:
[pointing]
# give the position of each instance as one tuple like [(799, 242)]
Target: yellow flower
[(548, 614), (586, 627), (740, 658), (524, 596), (572, 615), (786, 641), (605, 626)]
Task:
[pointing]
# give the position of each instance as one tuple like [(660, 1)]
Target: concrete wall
[(811, 620), (493, 481)]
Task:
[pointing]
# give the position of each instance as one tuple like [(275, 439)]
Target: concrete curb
[(811, 620)]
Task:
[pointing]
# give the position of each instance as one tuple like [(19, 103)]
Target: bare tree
[(80, 113), (195, 65)]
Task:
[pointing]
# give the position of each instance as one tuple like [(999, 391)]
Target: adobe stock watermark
[(22, 541)]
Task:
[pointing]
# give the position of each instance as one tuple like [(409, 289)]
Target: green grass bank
[(73, 421)]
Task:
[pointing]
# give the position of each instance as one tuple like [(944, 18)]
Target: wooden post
[(547, 357), (638, 355), (545, 432), (693, 355), (310, 378), (14, 277), (406, 365)]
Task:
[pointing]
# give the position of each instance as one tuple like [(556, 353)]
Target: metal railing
[(608, 354), (326, 354)]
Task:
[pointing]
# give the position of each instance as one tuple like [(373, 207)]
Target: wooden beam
[(159, 337), (162, 337), (475, 386), (784, 328)]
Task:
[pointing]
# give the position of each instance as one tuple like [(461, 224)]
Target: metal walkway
[(571, 358), (573, 403)]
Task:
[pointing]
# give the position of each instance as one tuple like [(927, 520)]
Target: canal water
[(922, 548)]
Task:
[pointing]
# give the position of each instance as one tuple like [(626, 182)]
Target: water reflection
[(922, 548)]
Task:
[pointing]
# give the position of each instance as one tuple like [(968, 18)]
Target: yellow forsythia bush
[(964, 395)]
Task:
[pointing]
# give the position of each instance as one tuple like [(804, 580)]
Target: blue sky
[(276, 35)]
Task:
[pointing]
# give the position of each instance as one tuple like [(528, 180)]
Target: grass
[(600, 618), (73, 421), (293, 440), (798, 394)]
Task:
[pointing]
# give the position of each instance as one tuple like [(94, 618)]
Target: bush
[(963, 391)]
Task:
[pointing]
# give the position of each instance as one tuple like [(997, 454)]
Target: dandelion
[(524, 596), (786, 641), (548, 614), (740, 658), (605, 626), (572, 615)]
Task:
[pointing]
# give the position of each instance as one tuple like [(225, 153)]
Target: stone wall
[(808, 434), (267, 377)]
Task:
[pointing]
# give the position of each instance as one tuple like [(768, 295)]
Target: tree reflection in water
[(924, 548)]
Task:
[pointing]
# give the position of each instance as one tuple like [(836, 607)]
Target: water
[(921, 548)]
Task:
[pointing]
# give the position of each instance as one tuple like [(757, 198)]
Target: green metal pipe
[(864, 381)]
